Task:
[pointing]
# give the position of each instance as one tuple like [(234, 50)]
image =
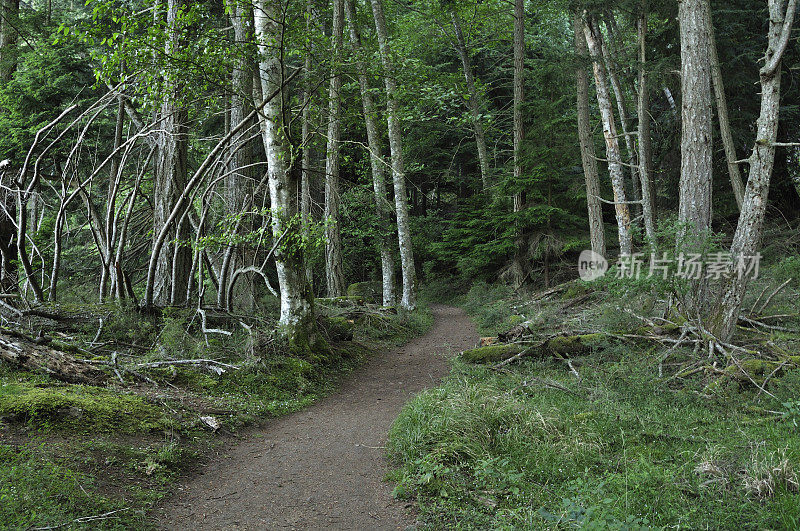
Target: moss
[(368, 291), (336, 328), (80, 408), (491, 354), (574, 291), (572, 345)]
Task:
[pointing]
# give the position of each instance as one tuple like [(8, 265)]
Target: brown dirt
[(323, 467)]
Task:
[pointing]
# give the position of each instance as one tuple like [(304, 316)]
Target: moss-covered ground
[(89, 457)]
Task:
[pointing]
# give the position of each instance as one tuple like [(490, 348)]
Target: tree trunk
[(309, 154), (593, 40), (722, 113), (382, 206), (474, 102), (643, 134), (239, 183), (174, 261), (519, 94), (409, 298), (31, 356), (747, 239), (9, 24), (624, 120), (588, 158), (334, 275), (297, 299), (694, 208)]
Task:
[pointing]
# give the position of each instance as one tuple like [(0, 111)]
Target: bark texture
[(747, 239), (334, 274), (722, 113), (382, 206), (594, 41), (409, 298), (174, 261), (588, 157), (643, 134), (296, 315), (694, 208), (239, 183)]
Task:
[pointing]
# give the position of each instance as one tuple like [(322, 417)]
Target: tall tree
[(644, 132), (747, 239), (519, 95), (694, 209), (409, 298), (382, 206), (333, 238), (239, 182), (588, 158), (722, 112), (474, 102), (174, 260), (9, 28), (297, 299), (594, 42)]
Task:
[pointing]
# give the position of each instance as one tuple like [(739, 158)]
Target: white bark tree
[(382, 206), (594, 41), (409, 298), (588, 159), (297, 300)]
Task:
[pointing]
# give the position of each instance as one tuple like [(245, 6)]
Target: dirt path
[(323, 467)]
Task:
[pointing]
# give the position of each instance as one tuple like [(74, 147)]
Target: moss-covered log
[(557, 346), (29, 355)]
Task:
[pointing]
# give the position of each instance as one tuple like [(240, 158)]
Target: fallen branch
[(26, 353)]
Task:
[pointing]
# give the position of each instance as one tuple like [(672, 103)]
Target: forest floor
[(323, 467)]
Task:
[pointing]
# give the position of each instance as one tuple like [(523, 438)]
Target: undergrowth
[(69, 453), (615, 444)]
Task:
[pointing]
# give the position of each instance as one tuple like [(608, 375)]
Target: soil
[(324, 467)]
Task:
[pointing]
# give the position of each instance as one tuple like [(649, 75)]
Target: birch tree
[(297, 300), (382, 206), (594, 42), (588, 159), (409, 297)]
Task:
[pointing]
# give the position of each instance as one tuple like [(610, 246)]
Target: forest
[(399, 264)]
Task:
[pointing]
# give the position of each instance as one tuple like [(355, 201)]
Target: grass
[(533, 446), (620, 448), (69, 452)]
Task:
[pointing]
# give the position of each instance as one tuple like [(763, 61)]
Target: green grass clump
[(36, 491), (79, 408), (618, 450)]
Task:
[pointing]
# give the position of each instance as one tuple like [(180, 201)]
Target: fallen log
[(27, 354), (561, 347)]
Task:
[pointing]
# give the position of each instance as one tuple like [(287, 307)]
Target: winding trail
[(324, 467)]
